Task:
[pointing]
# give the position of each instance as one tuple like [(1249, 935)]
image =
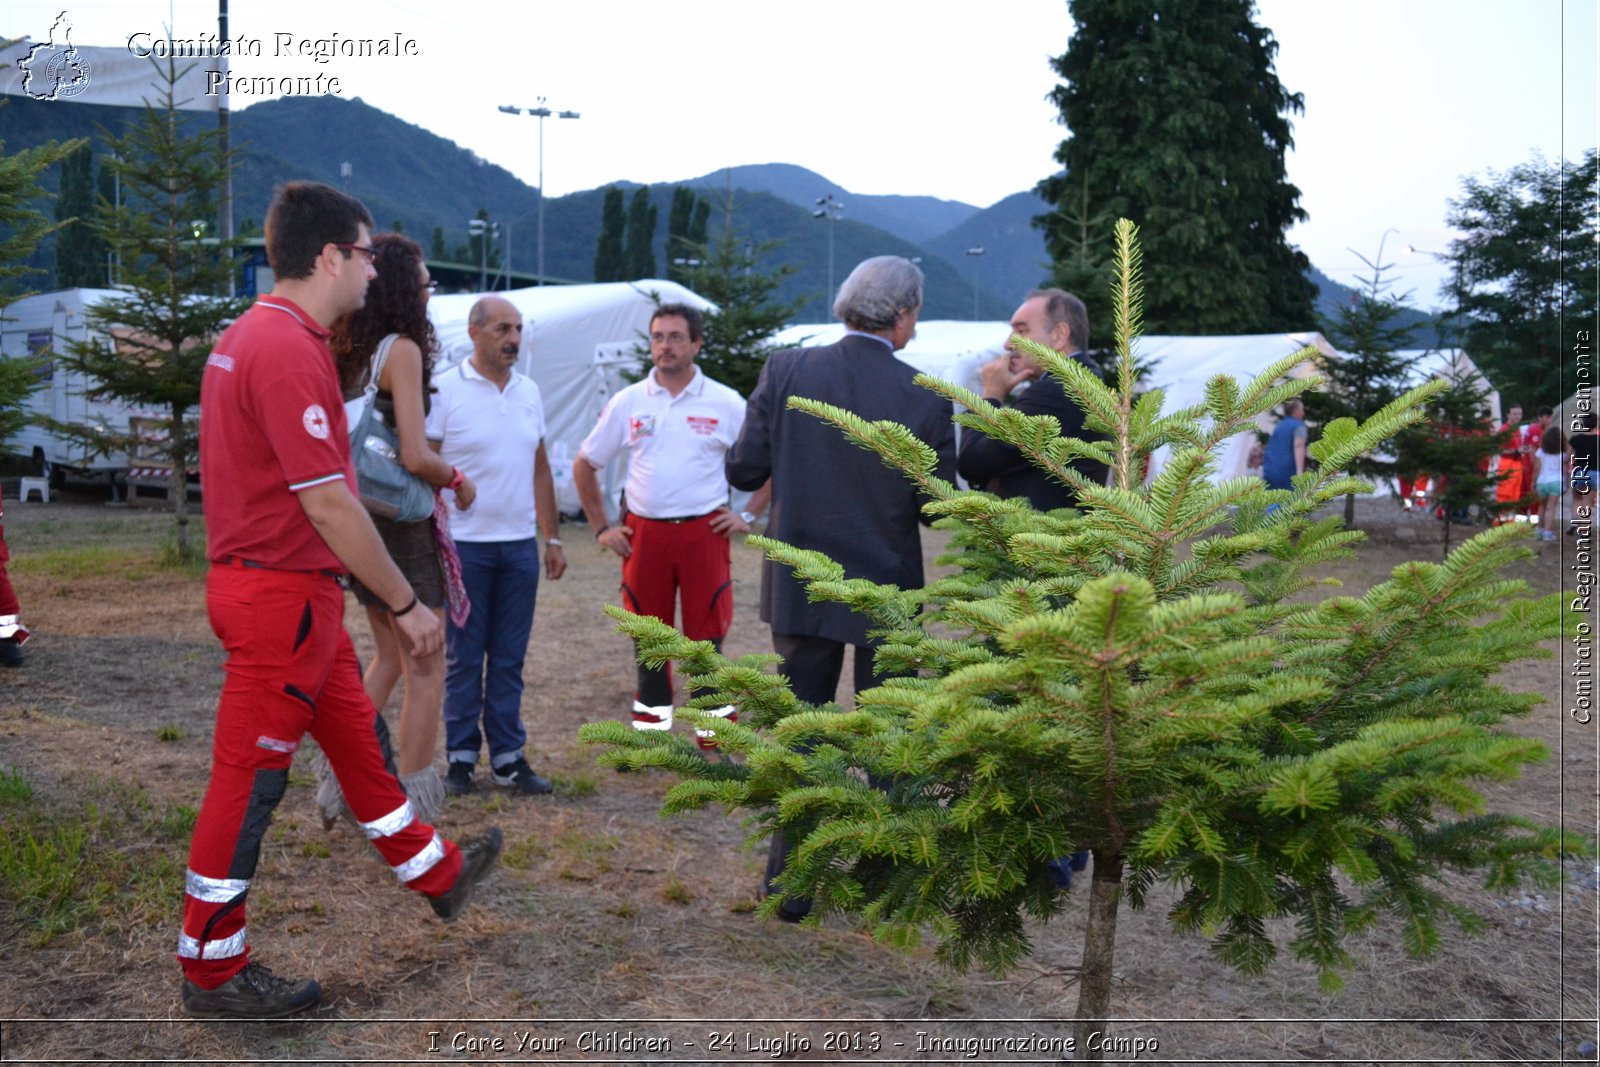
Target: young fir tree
[(1080, 254), (1372, 374), (155, 336), (1454, 448), (739, 332), (1134, 681), (610, 265), (639, 255)]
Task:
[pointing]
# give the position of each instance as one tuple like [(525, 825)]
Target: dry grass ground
[(608, 919)]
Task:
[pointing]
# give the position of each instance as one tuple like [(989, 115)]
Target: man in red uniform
[(283, 525), (676, 427)]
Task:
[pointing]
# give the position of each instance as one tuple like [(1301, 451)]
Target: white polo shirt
[(492, 435), (676, 444)]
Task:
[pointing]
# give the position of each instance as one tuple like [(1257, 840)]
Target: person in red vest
[(1512, 469), (13, 635)]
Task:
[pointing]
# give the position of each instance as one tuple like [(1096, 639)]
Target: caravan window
[(38, 341)]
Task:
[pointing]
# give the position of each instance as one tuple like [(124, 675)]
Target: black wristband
[(604, 526), (407, 608)]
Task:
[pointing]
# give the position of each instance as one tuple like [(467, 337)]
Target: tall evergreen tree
[(160, 331), (739, 333), (700, 224), (680, 241), (639, 256), (1178, 122), (1080, 682), (80, 254), (610, 264), (22, 226), (436, 246), (1372, 375), (1526, 268)]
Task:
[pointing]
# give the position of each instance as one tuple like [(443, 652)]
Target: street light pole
[(1460, 292), (831, 209), (976, 263), (485, 231), (541, 113)]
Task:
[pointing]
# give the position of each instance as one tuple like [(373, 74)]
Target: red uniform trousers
[(1512, 487), (290, 669), (8, 596), (683, 562)]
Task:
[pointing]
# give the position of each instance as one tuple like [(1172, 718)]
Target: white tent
[(954, 351), (580, 344), (1183, 366), (1450, 363), (957, 351)]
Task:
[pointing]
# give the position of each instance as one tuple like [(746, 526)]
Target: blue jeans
[(483, 671)]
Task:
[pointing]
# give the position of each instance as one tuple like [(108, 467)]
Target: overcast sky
[(1403, 97)]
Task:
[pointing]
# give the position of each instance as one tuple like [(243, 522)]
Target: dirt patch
[(609, 921)]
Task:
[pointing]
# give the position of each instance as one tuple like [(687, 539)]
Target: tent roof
[(565, 301), (1434, 363)]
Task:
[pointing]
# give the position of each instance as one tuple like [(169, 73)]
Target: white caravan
[(47, 323)]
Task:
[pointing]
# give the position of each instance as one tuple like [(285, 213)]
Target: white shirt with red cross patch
[(675, 444)]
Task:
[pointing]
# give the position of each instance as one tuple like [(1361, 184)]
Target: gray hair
[(1061, 306), (872, 298)]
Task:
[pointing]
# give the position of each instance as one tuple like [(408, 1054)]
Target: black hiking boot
[(478, 857), (253, 993)]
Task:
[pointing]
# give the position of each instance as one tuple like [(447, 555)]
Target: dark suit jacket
[(827, 493), (1001, 468)]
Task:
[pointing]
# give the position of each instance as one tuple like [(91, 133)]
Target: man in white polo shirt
[(673, 536), (488, 420)]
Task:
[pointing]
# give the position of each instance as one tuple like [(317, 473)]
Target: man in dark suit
[(832, 496), (1056, 319)]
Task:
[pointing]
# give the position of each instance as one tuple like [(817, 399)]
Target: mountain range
[(415, 180)]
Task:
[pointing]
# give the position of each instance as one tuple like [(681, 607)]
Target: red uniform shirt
[(271, 424)]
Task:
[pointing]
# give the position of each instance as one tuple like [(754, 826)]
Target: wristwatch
[(749, 519)]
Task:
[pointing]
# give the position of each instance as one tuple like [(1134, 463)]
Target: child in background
[(1550, 480)]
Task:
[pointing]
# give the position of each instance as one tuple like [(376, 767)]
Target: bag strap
[(380, 356)]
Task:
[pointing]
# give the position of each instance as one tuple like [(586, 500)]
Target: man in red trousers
[(283, 527)]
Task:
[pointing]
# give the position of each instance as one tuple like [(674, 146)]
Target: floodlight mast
[(831, 209), (541, 113), (976, 263)]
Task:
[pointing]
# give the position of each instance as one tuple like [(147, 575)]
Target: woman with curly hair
[(396, 311)]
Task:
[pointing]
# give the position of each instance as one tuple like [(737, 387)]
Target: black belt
[(683, 518), (236, 563)]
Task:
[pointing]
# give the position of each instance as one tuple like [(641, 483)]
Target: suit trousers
[(813, 666)]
